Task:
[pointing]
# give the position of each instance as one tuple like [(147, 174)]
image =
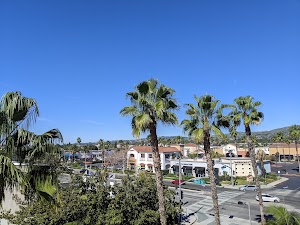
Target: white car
[(268, 198)]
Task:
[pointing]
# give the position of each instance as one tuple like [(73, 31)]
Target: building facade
[(284, 151), (141, 157), (241, 167)]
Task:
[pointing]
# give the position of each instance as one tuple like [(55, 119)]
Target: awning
[(187, 168), (142, 164), (149, 165), (174, 166)]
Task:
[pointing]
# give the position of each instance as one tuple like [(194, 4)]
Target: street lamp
[(246, 203), (231, 172)]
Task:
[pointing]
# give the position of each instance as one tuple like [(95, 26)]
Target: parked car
[(268, 198), (248, 188), (177, 182)]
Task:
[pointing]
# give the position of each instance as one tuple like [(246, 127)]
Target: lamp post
[(249, 210)]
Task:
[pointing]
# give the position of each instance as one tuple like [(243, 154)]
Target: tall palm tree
[(152, 103), (282, 216), (294, 132), (245, 109), (18, 113), (206, 118)]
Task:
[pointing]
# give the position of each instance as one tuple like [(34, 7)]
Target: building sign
[(184, 164), (241, 162)]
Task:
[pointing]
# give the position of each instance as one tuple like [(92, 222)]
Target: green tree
[(245, 109), (206, 118), (294, 132), (282, 216), (17, 114), (92, 202), (152, 103)]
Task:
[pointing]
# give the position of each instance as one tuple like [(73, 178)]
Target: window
[(150, 156), (131, 155), (143, 155)]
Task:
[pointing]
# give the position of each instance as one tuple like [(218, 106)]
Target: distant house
[(141, 157), (188, 148)]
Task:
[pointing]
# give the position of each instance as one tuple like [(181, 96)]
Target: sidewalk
[(208, 219), (263, 186)]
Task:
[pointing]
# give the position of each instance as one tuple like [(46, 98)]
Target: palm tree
[(206, 118), (282, 216), (261, 156), (18, 113), (101, 145), (294, 132), (234, 123), (245, 110), (152, 103), (278, 138), (288, 142)]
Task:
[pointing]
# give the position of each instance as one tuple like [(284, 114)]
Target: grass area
[(76, 165), (175, 177)]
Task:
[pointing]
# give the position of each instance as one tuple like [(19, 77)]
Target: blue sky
[(78, 59)]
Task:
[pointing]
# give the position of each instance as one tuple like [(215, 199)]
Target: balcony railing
[(150, 160), (142, 159)]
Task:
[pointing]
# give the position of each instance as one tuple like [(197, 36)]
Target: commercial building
[(284, 151), (141, 157), (241, 167)]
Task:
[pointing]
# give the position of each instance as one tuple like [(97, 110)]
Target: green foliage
[(17, 114), (282, 216), (193, 155), (165, 172), (89, 203)]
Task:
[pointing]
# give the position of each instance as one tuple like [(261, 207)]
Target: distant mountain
[(259, 135), (269, 134)]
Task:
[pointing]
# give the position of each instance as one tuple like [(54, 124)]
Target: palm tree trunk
[(84, 159), (289, 153), (124, 159), (211, 172), (262, 167), (103, 152), (296, 143), (159, 178), (254, 166)]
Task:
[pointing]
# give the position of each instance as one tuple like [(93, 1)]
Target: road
[(200, 202)]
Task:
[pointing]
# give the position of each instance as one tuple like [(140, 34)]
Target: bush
[(165, 172)]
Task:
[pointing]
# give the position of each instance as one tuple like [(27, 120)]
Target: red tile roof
[(149, 149)]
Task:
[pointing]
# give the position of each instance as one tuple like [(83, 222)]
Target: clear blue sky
[(79, 58)]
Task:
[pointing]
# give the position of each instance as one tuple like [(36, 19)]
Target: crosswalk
[(205, 202)]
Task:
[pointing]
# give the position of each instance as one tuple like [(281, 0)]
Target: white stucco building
[(141, 157), (198, 167)]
